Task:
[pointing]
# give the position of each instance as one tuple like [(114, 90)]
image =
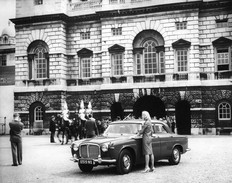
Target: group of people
[(77, 128)]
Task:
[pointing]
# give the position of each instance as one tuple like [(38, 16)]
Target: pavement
[(209, 161)]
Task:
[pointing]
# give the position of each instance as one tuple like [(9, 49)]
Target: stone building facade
[(172, 58), (7, 76)]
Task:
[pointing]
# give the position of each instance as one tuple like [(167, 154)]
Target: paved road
[(209, 161)]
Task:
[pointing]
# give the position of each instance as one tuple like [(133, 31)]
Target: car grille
[(89, 151)]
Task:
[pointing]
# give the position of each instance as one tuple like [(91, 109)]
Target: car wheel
[(175, 156), (125, 162), (86, 168)]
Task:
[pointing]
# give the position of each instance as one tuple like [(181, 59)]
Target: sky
[(7, 11)]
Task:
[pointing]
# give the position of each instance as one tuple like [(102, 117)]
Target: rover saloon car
[(121, 146)]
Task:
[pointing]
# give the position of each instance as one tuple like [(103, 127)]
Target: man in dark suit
[(91, 127), (16, 126)]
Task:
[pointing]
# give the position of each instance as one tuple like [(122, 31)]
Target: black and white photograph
[(109, 91)]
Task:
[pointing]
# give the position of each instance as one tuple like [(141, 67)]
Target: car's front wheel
[(175, 156), (86, 168), (125, 162)]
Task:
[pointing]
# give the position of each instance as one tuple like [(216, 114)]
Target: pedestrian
[(146, 131), (16, 126), (99, 127), (52, 128), (91, 127), (173, 124)]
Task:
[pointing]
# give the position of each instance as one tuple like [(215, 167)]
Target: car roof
[(135, 121)]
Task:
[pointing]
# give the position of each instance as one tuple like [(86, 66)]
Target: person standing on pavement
[(91, 127), (16, 126), (146, 131), (52, 128)]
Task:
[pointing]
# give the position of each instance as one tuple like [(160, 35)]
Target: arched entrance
[(183, 117), (116, 111), (150, 103), (36, 117)]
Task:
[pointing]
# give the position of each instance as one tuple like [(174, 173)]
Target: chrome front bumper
[(96, 161)]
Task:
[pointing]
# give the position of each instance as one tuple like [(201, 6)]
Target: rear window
[(159, 129)]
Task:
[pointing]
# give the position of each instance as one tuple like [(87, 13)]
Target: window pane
[(138, 63), (181, 25), (116, 31), (161, 58), (38, 113), (117, 64), (85, 35), (2, 60), (40, 63), (150, 58), (85, 67), (182, 60), (224, 111)]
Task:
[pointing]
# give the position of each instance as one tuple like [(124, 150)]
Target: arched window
[(150, 58), (40, 63), (148, 49), (224, 111), (38, 60), (38, 114)]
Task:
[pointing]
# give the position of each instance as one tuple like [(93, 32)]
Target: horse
[(63, 128)]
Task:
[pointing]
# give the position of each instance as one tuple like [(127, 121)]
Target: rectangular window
[(138, 61), (150, 63), (182, 60), (116, 31), (38, 2), (117, 62), (222, 23), (2, 60), (223, 59), (161, 61), (41, 68), (85, 35), (181, 25), (86, 67)]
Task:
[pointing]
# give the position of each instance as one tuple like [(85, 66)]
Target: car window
[(159, 129), (126, 128)]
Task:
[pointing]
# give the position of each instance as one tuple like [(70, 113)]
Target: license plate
[(85, 162)]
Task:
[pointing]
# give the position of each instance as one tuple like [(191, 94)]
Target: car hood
[(103, 139)]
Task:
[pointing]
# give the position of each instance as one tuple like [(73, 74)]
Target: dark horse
[(63, 128)]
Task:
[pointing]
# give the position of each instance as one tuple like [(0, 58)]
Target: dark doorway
[(151, 104), (36, 118), (116, 111), (183, 118)]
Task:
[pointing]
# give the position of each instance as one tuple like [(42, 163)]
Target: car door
[(156, 146), (165, 140)]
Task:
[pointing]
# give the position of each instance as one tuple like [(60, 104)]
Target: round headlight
[(104, 147), (75, 147)]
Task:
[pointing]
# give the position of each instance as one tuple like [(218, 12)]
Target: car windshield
[(122, 128)]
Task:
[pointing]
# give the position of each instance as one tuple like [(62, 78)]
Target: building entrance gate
[(150, 103), (183, 118)]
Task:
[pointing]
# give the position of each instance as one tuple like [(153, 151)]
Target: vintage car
[(120, 145)]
